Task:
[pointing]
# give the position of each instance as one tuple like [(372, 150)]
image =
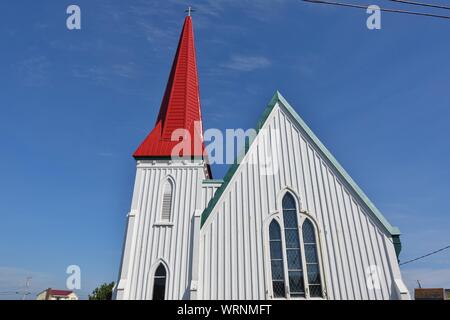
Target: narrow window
[(159, 283), (311, 257), (293, 254), (167, 202), (276, 260)]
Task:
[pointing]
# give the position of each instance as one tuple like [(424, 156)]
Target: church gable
[(287, 158), (307, 135)]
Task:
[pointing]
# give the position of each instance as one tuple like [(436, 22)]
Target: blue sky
[(74, 105)]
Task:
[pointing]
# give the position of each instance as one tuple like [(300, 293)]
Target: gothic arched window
[(166, 212), (276, 260), (294, 254), (293, 251), (311, 257), (159, 283)]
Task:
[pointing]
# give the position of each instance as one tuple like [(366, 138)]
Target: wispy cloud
[(34, 71), (154, 33), (246, 63), (105, 154), (139, 19), (104, 74), (126, 70), (257, 9)]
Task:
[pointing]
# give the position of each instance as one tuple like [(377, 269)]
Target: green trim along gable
[(278, 98), (397, 244)]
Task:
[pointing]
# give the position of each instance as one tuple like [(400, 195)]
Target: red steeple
[(180, 107)]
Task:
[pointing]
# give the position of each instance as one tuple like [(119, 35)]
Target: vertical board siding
[(154, 240), (233, 257)]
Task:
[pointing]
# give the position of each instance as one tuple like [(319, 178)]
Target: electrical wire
[(8, 292), (351, 5), (422, 4), (424, 256)]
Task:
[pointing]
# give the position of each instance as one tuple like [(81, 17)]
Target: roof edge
[(277, 97), (347, 178)]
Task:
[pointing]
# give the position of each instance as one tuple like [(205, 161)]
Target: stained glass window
[(293, 253), (311, 257), (276, 260)]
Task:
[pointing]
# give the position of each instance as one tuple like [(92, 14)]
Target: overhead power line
[(424, 256), (8, 292), (422, 4), (351, 5)]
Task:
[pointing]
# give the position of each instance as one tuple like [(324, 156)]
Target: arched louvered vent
[(166, 212)]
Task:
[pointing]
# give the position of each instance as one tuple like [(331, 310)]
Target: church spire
[(180, 107)]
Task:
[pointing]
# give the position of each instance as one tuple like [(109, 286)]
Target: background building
[(55, 294), (431, 294)]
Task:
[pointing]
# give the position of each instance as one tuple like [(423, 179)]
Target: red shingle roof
[(180, 107), (55, 292)]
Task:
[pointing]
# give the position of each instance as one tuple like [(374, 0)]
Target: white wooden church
[(304, 231)]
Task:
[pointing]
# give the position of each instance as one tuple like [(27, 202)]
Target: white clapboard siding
[(209, 188), (233, 259), (151, 238)]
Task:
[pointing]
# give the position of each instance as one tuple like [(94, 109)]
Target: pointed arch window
[(159, 283), (294, 254), (166, 212), (311, 257), (276, 260)]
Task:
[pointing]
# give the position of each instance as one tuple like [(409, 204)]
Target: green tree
[(104, 292)]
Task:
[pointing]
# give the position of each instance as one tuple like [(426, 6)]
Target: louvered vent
[(167, 202)]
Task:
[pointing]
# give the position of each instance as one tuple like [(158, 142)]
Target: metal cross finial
[(189, 11)]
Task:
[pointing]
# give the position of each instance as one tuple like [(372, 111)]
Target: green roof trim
[(397, 244), (394, 231)]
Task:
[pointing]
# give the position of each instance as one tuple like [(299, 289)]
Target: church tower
[(161, 236)]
